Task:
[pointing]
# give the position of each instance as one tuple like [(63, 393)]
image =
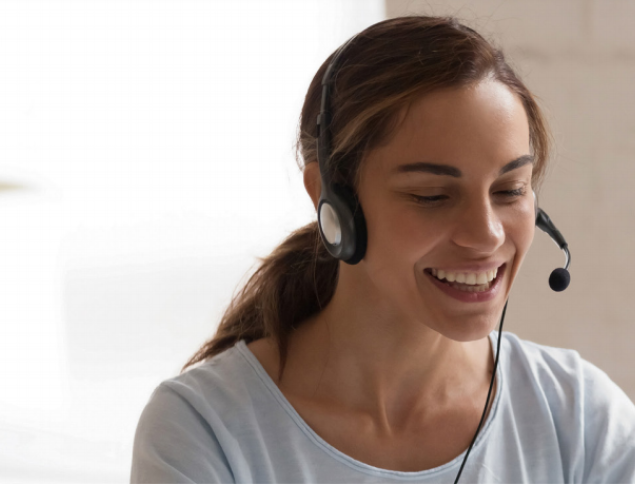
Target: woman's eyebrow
[(439, 169)]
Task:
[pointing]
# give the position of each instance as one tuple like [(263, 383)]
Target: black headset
[(343, 227)]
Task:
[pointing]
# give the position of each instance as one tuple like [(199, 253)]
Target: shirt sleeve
[(173, 443), (609, 436)]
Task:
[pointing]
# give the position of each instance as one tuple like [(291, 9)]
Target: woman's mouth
[(468, 287)]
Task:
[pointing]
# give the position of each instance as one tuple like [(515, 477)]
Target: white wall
[(143, 146), (578, 57)]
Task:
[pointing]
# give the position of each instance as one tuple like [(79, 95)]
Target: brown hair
[(383, 70)]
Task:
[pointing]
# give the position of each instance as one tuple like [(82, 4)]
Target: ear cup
[(342, 224), (535, 205), (357, 226)]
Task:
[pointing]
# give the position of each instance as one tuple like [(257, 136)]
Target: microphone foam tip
[(559, 279)]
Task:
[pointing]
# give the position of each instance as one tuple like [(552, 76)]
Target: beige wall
[(578, 57)]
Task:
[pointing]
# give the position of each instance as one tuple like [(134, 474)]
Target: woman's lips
[(471, 297)]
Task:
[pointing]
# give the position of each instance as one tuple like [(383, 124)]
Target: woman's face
[(483, 217)]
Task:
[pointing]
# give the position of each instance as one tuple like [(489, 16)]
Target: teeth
[(466, 278), (472, 289)]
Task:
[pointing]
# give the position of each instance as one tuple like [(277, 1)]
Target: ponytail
[(293, 283)]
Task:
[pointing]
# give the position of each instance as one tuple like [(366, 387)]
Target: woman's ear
[(313, 182)]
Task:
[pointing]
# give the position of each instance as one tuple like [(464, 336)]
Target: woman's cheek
[(529, 223), (412, 231)]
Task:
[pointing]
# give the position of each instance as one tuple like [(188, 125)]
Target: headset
[(342, 224)]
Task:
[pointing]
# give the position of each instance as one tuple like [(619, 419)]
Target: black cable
[(489, 393)]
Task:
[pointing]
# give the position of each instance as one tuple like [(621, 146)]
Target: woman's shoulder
[(546, 362), (563, 379), (182, 432), (216, 387), (554, 392), (538, 353)]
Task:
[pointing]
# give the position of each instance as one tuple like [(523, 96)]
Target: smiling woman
[(374, 367)]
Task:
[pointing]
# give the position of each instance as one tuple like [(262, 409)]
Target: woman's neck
[(391, 370)]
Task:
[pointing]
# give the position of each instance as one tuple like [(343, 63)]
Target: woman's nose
[(479, 227)]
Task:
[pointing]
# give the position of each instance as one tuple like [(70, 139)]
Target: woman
[(379, 371)]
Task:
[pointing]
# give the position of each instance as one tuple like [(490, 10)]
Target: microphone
[(560, 277)]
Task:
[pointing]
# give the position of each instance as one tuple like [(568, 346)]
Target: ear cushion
[(348, 197)]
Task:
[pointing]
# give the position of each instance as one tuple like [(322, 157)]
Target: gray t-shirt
[(555, 418)]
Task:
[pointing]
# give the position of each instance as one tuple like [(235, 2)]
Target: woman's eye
[(513, 193), (433, 199), (428, 199)]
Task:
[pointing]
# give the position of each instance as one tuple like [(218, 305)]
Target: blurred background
[(146, 162)]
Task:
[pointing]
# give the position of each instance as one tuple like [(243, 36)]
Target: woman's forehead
[(480, 125)]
